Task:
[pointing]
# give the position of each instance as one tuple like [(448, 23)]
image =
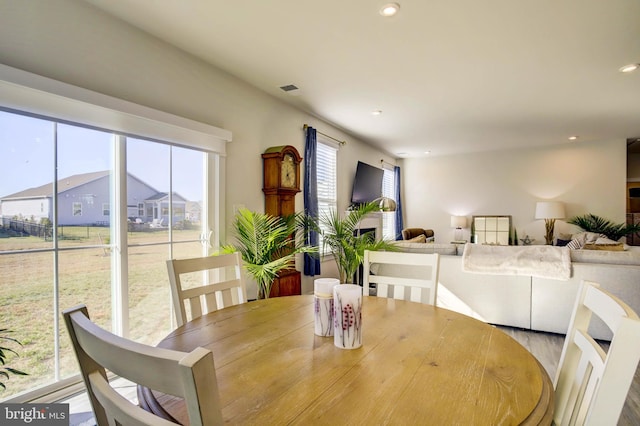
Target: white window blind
[(388, 218), (326, 173)]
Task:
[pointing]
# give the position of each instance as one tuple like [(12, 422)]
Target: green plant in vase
[(344, 241), (267, 245)]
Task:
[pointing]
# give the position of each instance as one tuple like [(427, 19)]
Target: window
[(388, 218), (79, 246), (140, 209), (77, 209), (327, 180), (84, 274)]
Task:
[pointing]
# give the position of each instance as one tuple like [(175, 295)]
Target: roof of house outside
[(159, 196), (71, 182), (64, 185)]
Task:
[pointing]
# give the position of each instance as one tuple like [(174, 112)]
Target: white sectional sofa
[(527, 301)]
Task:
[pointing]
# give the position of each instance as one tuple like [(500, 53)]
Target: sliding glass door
[(63, 241)]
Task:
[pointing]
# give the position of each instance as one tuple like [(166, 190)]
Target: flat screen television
[(367, 184)]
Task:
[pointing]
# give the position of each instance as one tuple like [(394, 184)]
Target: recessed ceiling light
[(573, 138), (427, 152), (376, 112), (389, 9), (402, 154), (629, 68)]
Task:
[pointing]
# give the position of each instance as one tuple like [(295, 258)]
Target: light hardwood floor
[(546, 347)]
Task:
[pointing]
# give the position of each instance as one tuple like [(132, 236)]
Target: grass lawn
[(84, 276)]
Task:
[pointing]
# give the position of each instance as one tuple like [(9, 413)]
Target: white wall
[(73, 42), (587, 177), (38, 209)]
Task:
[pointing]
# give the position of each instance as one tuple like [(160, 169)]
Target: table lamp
[(549, 211), (458, 222)]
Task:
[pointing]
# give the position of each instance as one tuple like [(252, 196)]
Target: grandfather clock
[(281, 183)]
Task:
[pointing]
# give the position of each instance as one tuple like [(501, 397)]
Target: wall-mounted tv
[(367, 184)]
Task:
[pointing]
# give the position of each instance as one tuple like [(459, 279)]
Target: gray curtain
[(311, 260)]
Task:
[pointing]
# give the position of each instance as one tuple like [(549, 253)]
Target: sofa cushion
[(419, 239), (409, 233)]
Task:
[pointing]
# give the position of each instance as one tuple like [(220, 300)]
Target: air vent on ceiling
[(289, 87)]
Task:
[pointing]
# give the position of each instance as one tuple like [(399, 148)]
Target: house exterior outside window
[(77, 209)]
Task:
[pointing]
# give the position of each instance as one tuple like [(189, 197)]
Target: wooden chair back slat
[(223, 285), (591, 384), (410, 276), (187, 375)]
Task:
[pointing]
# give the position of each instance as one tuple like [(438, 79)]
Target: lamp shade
[(458, 221), (386, 204), (550, 210)]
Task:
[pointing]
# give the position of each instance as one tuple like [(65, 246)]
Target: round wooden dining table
[(418, 364)]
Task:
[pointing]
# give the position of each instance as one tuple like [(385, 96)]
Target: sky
[(27, 157)]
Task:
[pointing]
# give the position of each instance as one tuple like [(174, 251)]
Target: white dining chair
[(205, 284), (189, 375), (591, 384), (401, 275)]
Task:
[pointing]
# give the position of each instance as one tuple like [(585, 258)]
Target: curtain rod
[(325, 135), (382, 162)]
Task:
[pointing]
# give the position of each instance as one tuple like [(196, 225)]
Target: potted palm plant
[(344, 241), (267, 245), (593, 223)]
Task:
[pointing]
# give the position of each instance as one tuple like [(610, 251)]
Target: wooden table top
[(417, 365)]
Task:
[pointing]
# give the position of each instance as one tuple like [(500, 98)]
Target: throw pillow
[(419, 239), (605, 240), (562, 243), (587, 237), (575, 244)]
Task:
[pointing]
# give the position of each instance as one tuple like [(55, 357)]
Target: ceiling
[(450, 76)]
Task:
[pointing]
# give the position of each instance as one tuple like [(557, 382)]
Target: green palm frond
[(593, 223), (347, 246), (4, 351), (267, 245)]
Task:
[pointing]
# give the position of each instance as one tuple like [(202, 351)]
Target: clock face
[(288, 172)]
